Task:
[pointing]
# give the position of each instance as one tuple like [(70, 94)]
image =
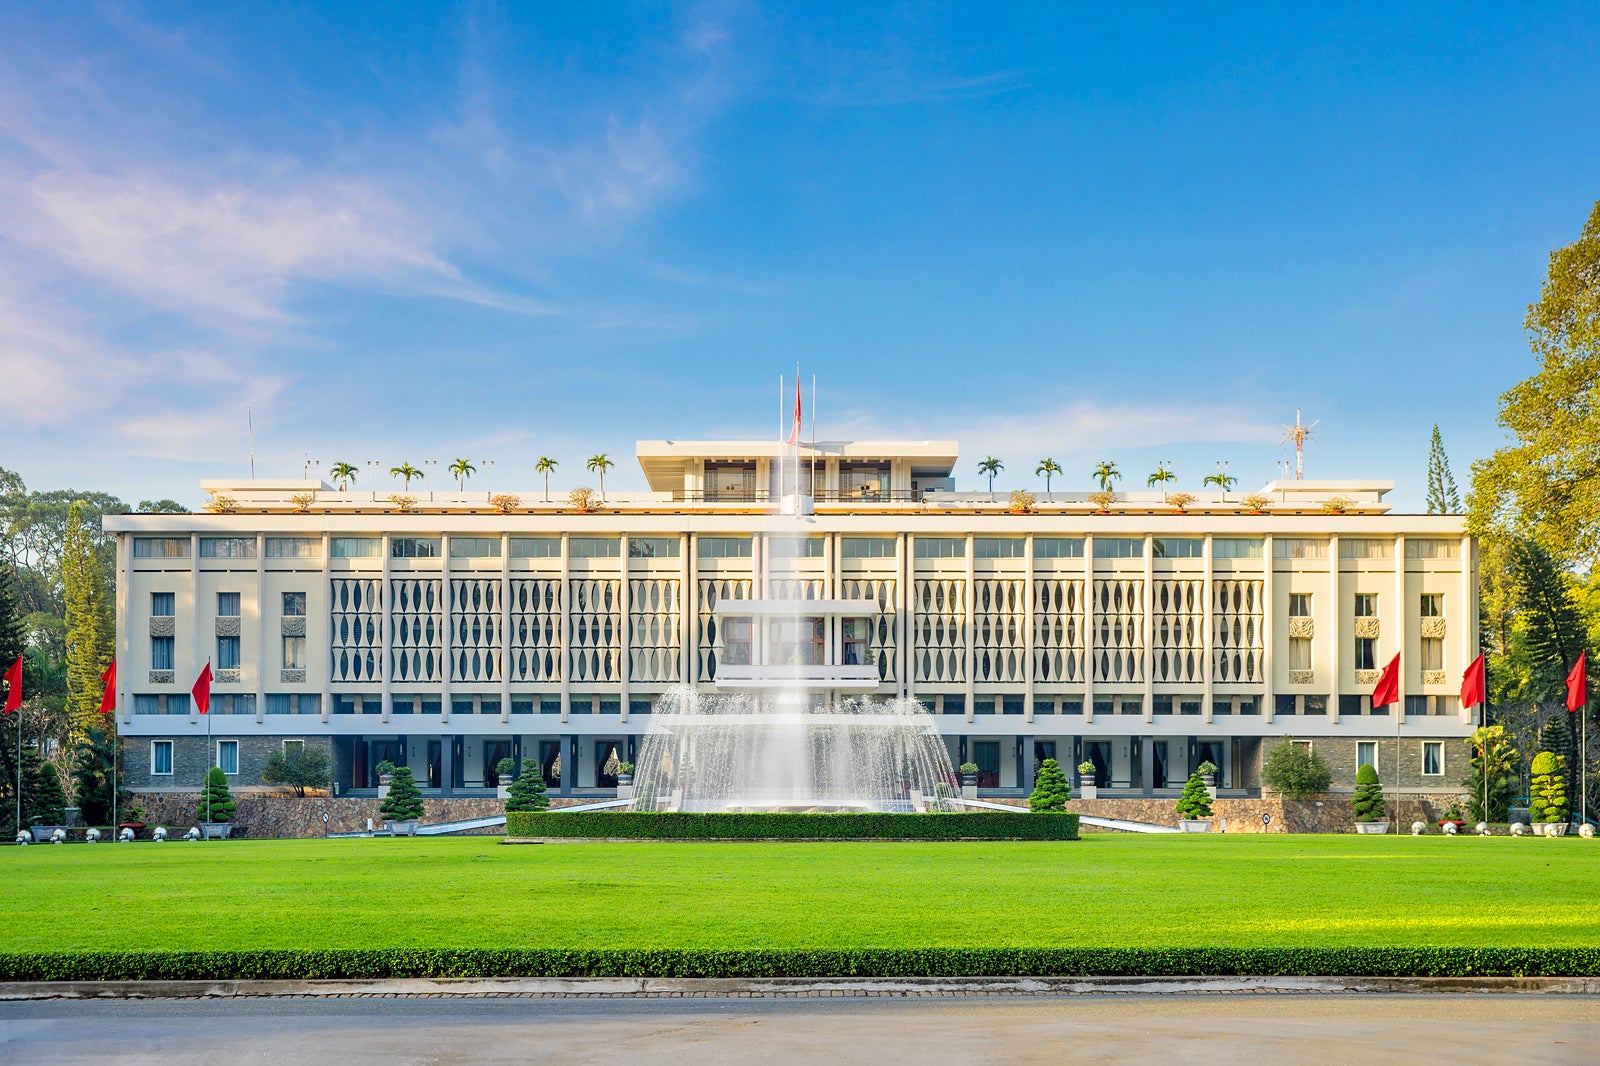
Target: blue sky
[(410, 232)]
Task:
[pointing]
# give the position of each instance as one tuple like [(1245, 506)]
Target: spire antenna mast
[(1297, 435)]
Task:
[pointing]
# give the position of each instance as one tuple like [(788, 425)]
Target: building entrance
[(493, 752)]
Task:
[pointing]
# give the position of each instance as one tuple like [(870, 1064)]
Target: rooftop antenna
[(250, 419), (1298, 434)]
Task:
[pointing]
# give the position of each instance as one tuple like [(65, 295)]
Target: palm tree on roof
[(989, 468), (343, 473), (461, 470), (1162, 475), (406, 472), (1222, 480), (1107, 473), (544, 466), (600, 463), (1048, 468)]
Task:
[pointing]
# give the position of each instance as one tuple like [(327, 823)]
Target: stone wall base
[(265, 816), (1326, 813)]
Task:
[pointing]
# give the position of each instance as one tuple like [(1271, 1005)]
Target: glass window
[(161, 757), (1416, 705), (294, 548), (854, 633), (1299, 653), (653, 547), (1366, 605), (723, 547), (228, 756), (161, 653), (355, 548), (227, 547), (868, 547), (1058, 547), (1432, 653), (1433, 758), (161, 547), (474, 547), (1349, 704), (294, 653), (227, 605), (736, 641), (279, 703), (1299, 605), (146, 704), (1178, 547), (941, 548), (1432, 605), (998, 547), (535, 547), (1426, 548), (161, 605), (1365, 548), (594, 547), (1284, 704), (294, 604), (1298, 548), (227, 653), (954, 704), (1367, 754), (1119, 547), (413, 547), (982, 706), (1366, 653), (1011, 705), (1236, 548), (795, 547)]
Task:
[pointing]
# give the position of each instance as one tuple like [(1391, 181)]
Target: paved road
[(1249, 1029)]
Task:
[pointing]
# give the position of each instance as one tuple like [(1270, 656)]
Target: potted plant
[(1336, 505), (403, 502), (1256, 503), (385, 772), (302, 502), (221, 503), (505, 502), (1050, 791), (583, 500), (1371, 815), (1208, 775), (1102, 501), (1180, 501), (1087, 784), (969, 780), (215, 809), (528, 790), (1194, 806), (504, 770), (1455, 814), (1022, 501), (402, 807), (1547, 803), (624, 780)]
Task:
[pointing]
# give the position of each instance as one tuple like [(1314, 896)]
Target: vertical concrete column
[(505, 632), (904, 599), (447, 764), (1025, 769), (969, 630), (326, 652), (447, 638), (196, 613), (1147, 765), (1268, 629), (1333, 627), (1087, 601), (1400, 613), (1208, 593), (686, 610), (1027, 633), (261, 628), (1467, 625), (386, 632), (124, 630), (625, 628), (569, 764), (1148, 629), (564, 627)]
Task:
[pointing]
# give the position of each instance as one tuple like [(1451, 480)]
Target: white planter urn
[(215, 830), (1555, 829), (406, 828), (1372, 827), (1195, 825)]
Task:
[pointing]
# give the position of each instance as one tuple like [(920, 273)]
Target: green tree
[(1106, 473), (1492, 748), (1050, 788), (162, 506), (528, 790), (1293, 769), (11, 645), (301, 768), (404, 801), (461, 470), (989, 468), (1195, 801), (343, 473), (1222, 480), (216, 802), (1547, 800), (1368, 800), (1161, 477), (1442, 495), (1047, 468), (90, 628), (92, 777), (43, 800), (600, 463), (545, 466), (405, 471)]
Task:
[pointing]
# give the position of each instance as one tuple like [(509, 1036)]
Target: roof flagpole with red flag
[(794, 430)]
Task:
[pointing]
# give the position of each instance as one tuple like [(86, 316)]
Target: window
[(1178, 547), (1057, 548), (653, 547), (144, 704), (1432, 605), (736, 641), (723, 547), (853, 633), (1365, 548), (161, 547), (355, 548), (161, 757), (1299, 605), (1433, 758), (868, 547), (227, 547), (1283, 705), (1367, 754), (279, 703), (594, 547), (228, 756), (1417, 705), (1236, 548), (227, 653), (795, 547), (161, 605), (997, 547), (1297, 548), (941, 548), (294, 747), (1432, 653), (294, 653), (1349, 704), (1299, 653), (413, 547), (294, 548), (1366, 605), (1118, 548), (474, 547), (294, 604), (1366, 653), (1425, 548), (535, 547), (161, 653), (227, 605)]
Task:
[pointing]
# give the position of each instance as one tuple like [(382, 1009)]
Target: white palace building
[(449, 630)]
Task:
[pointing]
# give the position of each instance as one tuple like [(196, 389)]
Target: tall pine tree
[(12, 645), (90, 630), (1442, 495)]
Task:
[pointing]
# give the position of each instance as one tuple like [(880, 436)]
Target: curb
[(796, 987)]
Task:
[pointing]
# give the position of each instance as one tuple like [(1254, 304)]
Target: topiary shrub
[(43, 801), (1050, 791), (1195, 801), (527, 791), (404, 801), (1547, 801), (216, 802), (384, 768), (1295, 770), (1368, 800)]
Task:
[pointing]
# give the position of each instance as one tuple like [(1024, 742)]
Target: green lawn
[(1104, 891)]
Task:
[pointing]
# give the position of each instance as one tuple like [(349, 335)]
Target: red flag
[(1577, 684), (1472, 684), (14, 695), (202, 689), (794, 431), (108, 698), (1387, 690)]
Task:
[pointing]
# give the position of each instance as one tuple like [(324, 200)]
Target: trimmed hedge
[(785, 825), (860, 962)]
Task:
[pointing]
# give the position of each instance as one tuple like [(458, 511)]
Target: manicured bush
[(1295, 770), (504, 768), (302, 768), (43, 802), (1195, 801), (1206, 769), (969, 769), (785, 825), (404, 801), (1050, 791), (384, 768), (528, 794), (1504, 773), (1368, 800), (216, 802), (1547, 801), (1086, 772)]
